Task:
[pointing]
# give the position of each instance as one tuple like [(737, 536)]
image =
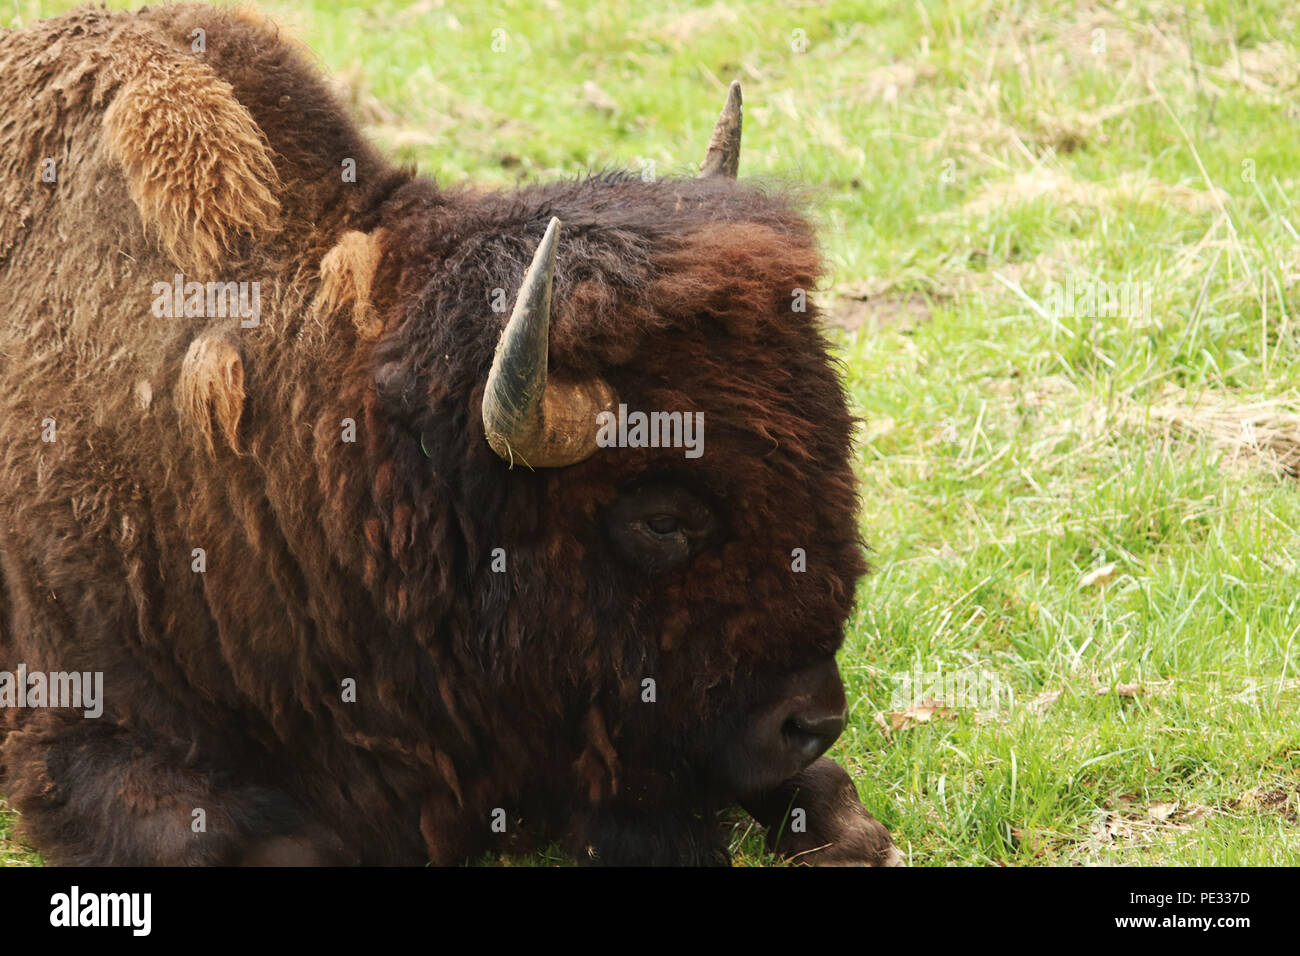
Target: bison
[(333, 475)]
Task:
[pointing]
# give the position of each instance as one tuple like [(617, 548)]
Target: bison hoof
[(816, 819), (858, 841)]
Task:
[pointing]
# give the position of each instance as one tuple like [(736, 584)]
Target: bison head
[(661, 620)]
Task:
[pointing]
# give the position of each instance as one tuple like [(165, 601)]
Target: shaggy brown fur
[(197, 192), (330, 562)]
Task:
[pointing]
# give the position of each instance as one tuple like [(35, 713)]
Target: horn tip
[(723, 155), (545, 252), (552, 232)]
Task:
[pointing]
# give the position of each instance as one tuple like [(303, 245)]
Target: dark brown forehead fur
[(682, 294)]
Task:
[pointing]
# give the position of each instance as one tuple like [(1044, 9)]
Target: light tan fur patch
[(211, 388), (198, 167), (347, 273)]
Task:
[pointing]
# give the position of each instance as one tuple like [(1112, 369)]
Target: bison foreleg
[(816, 818), (95, 794)]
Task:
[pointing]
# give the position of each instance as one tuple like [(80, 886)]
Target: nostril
[(811, 736)]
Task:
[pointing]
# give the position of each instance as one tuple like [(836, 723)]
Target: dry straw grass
[(1251, 434)]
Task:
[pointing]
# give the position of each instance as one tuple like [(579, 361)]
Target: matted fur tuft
[(196, 163), (210, 393), (347, 273)]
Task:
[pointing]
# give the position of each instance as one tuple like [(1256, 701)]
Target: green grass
[(959, 152), (11, 852)]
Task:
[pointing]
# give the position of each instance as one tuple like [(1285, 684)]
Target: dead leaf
[(921, 713), (1099, 577), (1161, 811), (1044, 701)]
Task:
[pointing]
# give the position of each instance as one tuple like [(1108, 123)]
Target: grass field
[(1095, 514)]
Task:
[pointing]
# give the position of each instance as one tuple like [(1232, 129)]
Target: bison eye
[(663, 524), (660, 527)]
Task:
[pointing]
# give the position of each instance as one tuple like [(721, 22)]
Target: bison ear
[(210, 394), (197, 165), (346, 275)]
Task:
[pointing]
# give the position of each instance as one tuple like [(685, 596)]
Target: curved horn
[(723, 157), (526, 418)]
